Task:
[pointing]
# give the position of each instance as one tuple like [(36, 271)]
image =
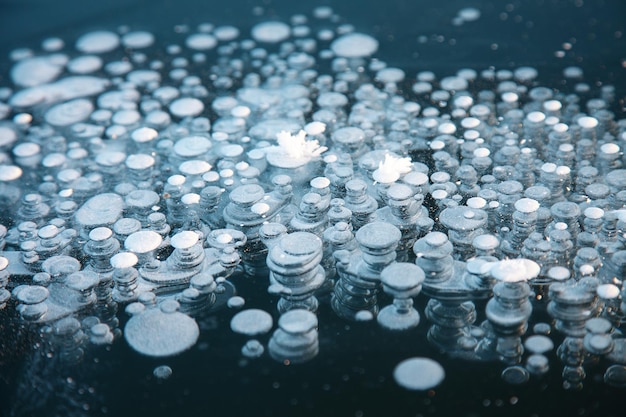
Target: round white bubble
[(539, 344), (469, 14), (138, 39), (419, 374), (162, 372), (354, 45), (271, 32), (186, 107), (515, 375), (236, 302), (226, 33), (201, 41), (98, 42), (35, 71), (85, 64), (251, 322), (69, 113)]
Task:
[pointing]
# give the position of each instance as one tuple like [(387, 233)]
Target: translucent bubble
[(615, 376), (515, 375), (599, 343), (610, 148), (390, 75), (236, 302), (10, 172), (526, 205), (469, 14), (354, 45), (85, 64), (573, 72), (162, 372), (525, 74), (539, 344), (453, 83), (515, 270), (98, 42), (161, 331), (587, 122), (322, 12), (201, 42), (608, 291), (143, 241), (537, 364), (138, 39), (184, 240), (598, 325), (69, 112), (271, 32), (618, 354), (252, 349), (260, 208), (542, 328), (251, 322), (364, 315), (226, 33), (186, 107), (52, 44), (192, 146)]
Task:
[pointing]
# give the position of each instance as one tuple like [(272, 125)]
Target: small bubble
[(515, 375), (236, 302), (364, 315), (162, 372)]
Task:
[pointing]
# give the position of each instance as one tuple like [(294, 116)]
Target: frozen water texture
[(148, 152)]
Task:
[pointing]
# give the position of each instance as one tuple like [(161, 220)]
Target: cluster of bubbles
[(141, 180)]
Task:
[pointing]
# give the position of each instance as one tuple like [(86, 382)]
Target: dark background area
[(352, 376)]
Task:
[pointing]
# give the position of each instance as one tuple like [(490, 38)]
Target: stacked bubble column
[(448, 309), (296, 339), (295, 270), (403, 210), (402, 281), (359, 270), (239, 215), (463, 224), (509, 310)]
